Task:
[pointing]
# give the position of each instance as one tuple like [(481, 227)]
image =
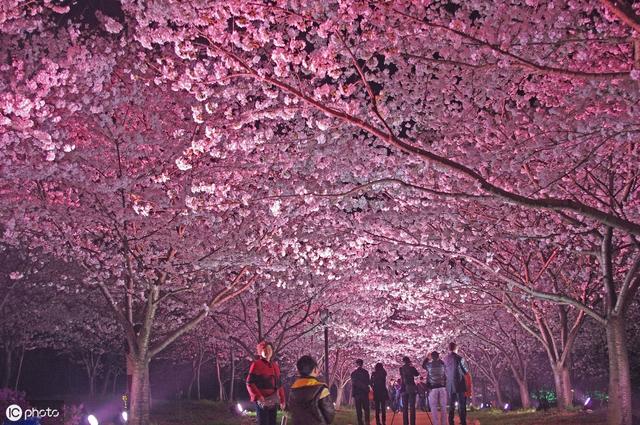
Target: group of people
[(395, 395), (309, 399), (448, 383)]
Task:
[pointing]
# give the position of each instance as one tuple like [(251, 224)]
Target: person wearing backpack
[(437, 383), (309, 400), (456, 371), (409, 390)]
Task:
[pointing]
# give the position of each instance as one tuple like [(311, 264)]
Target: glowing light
[(92, 420), (125, 416), (587, 401), (506, 406)]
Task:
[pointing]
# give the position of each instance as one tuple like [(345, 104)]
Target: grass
[(531, 417), (215, 413), (202, 412), (343, 417)]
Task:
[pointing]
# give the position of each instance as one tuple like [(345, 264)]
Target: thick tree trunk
[(499, 396), (523, 388), (562, 381), (140, 403), (339, 395), (520, 375), (620, 409), (567, 387)]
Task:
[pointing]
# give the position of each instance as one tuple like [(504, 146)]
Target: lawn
[(215, 413), (551, 417), (202, 412)]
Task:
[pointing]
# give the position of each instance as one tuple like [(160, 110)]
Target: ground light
[(125, 416), (506, 407), (586, 403), (92, 420), (241, 410)]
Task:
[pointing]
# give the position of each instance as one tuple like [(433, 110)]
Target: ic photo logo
[(14, 412)]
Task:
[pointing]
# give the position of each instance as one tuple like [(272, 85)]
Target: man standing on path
[(360, 389), (437, 382), (455, 369), (407, 375)]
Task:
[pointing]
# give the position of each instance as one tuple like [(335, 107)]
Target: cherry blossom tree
[(130, 224), (508, 343), (404, 136)]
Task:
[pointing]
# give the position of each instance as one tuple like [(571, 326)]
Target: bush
[(73, 414), (9, 397)]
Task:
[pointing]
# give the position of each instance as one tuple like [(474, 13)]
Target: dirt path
[(421, 419)]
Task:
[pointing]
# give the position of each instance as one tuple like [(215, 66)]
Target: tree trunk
[(92, 384), (198, 394), (8, 367), (115, 381), (620, 409), (19, 369), (339, 395), (219, 377), (499, 396), (233, 376), (523, 388), (259, 316), (562, 381), (567, 386), (105, 382), (190, 389), (485, 394), (192, 380), (520, 375), (140, 403)]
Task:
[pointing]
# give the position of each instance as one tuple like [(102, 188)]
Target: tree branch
[(553, 204), (624, 11)]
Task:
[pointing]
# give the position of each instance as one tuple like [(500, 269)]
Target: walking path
[(422, 418)]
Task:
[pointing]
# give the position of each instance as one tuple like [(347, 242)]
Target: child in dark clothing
[(309, 401)]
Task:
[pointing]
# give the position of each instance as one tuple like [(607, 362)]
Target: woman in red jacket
[(264, 386)]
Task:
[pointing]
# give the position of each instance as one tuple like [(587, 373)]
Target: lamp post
[(324, 314)]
